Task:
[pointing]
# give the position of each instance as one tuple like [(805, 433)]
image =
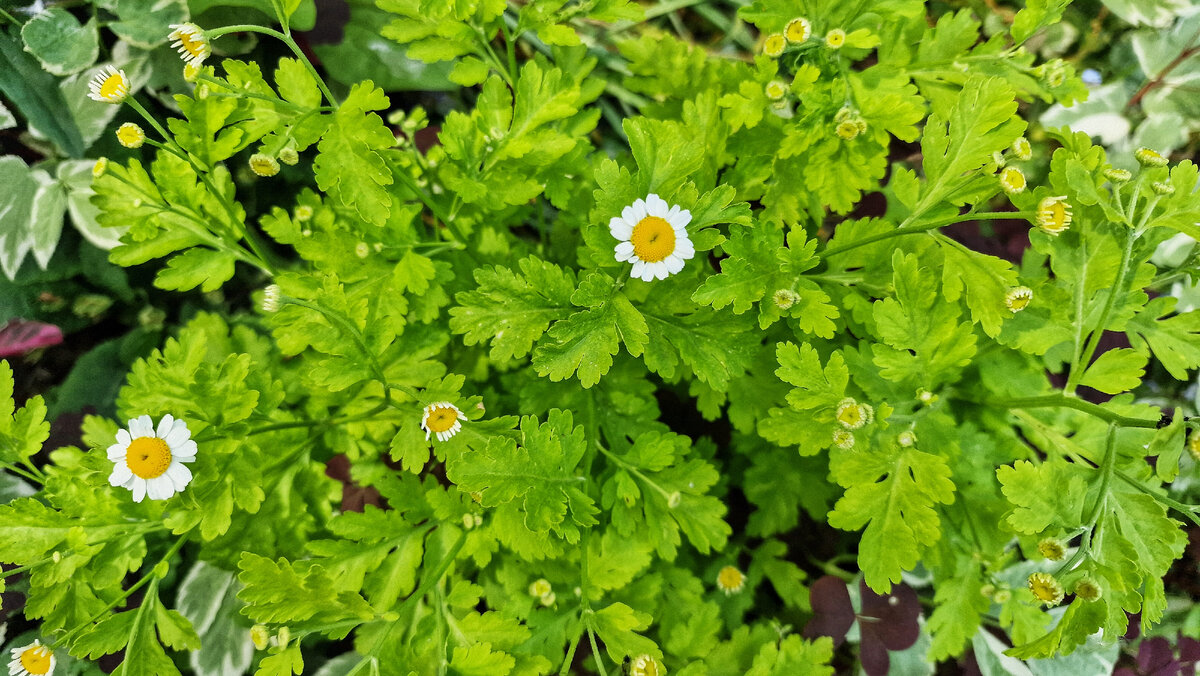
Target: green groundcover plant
[(622, 293)]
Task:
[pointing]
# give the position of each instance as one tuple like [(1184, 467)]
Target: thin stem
[(941, 222), (286, 38), (1066, 401), (1107, 467), (596, 652), (1188, 511), (23, 473), (437, 212)]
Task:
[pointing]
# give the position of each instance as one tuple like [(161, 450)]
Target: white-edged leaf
[(16, 202), (46, 216)]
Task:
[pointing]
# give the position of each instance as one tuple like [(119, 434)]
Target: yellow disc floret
[(1012, 180), (653, 239), (835, 38), (1149, 157), (730, 580), (853, 415), (645, 665), (131, 135), (442, 419), (774, 44), (1052, 549), (109, 86), (1054, 215), (798, 30), (148, 457), (1046, 588), (263, 165), (776, 89), (1018, 298)]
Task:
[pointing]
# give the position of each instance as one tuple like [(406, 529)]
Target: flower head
[(1046, 588), (785, 298), (34, 659), (109, 86), (271, 298), (304, 212), (798, 30), (1164, 188), (652, 237), (1088, 589), (289, 156), (730, 580), (853, 415), (100, 167), (645, 665), (1193, 444), (1148, 157), (442, 419), (260, 636), (1054, 215), (774, 44), (843, 439), (1022, 149), (835, 38), (191, 42), (1018, 298), (907, 438), (1117, 175), (1012, 180), (150, 462), (191, 72), (263, 165), (776, 89), (847, 129), (1052, 549), (540, 588), (131, 135)]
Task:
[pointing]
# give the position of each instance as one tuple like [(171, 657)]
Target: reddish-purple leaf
[(21, 335), (833, 615), (892, 618)]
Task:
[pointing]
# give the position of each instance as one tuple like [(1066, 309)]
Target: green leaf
[(16, 206), (981, 280), (794, 656), (617, 626), (513, 310), (1174, 340), (664, 153), (809, 421), (1035, 15), (586, 341), (1042, 495), (350, 165), (36, 94), (893, 492), (147, 26), (57, 40), (206, 268), (469, 71), (281, 592), (284, 663), (1115, 371)]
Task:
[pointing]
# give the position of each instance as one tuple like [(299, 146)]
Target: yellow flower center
[(1012, 179), (730, 578), (36, 660), (850, 416), (774, 45), (653, 239), (798, 30), (193, 44), (441, 419), (148, 457), (130, 135), (1054, 215), (112, 86), (835, 38)]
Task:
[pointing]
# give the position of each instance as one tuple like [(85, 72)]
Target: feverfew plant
[(602, 358)]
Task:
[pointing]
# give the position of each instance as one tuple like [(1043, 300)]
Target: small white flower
[(271, 298), (149, 462), (653, 237), (34, 659), (730, 580), (109, 86), (191, 42), (442, 419), (1018, 298)]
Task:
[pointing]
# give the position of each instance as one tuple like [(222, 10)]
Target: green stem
[(932, 225), (596, 652), (1107, 467), (437, 212), (23, 473), (566, 665), (350, 330), (1067, 401)]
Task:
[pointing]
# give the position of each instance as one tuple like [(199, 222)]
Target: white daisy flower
[(653, 237), (191, 42), (34, 659), (109, 86), (151, 463), (730, 580), (442, 419)]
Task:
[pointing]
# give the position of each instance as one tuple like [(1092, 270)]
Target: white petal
[(620, 228), (185, 452), (164, 426), (123, 437), (177, 434), (139, 490), (639, 211), (638, 267), (120, 474), (660, 269), (624, 251), (681, 219), (656, 206), (180, 475), (141, 426), (674, 263), (647, 274), (629, 215), (159, 488), (117, 451), (685, 249)]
